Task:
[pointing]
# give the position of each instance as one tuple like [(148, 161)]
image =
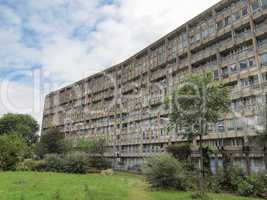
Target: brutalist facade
[(125, 103)]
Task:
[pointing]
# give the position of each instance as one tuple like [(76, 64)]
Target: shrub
[(27, 165), (164, 171), (51, 163), (229, 178), (237, 182), (213, 184), (54, 163), (76, 162), (100, 163), (12, 150), (261, 186), (244, 188)]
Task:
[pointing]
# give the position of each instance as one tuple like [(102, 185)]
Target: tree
[(95, 147), (19, 124), (181, 152), (52, 141), (194, 105), (12, 150)]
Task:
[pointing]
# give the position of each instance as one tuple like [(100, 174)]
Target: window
[(236, 16), (264, 3), (231, 125), (255, 5), (225, 72), (251, 62), (264, 59), (216, 75), (195, 38), (220, 126), (205, 33), (227, 20), (264, 77), (244, 82), (211, 29), (219, 24), (243, 65), (233, 68)]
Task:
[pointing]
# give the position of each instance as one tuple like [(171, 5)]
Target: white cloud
[(9, 16), (20, 98)]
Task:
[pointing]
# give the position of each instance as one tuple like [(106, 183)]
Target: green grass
[(52, 186)]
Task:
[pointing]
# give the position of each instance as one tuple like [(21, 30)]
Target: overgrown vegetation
[(165, 171), (12, 150), (21, 150)]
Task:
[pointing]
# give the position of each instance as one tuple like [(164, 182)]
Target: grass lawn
[(51, 186)]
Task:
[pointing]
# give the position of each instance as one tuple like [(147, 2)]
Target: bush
[(245, 188), (12, 150), (100, 163), (76, 162), (51, 163), (27, 165), (164, 171), (228, 179), (54, 163), (261, 186), (236, 181)]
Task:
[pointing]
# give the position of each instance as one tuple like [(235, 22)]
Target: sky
[(47, 44)]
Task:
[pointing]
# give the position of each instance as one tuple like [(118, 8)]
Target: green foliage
[(235, 181), (72, 162), (53, 163), (19, 124), (164, 171), (95, 147), (245, 188), (100, 163), (181, 152), (12, 150), (51, 142), (200, 100), (76, 162), (27, 165), (206, 159)]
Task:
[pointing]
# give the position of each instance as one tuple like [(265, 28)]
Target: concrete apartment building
[(125, 103)]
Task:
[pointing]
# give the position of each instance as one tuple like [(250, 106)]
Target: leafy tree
[(94, 147), (22, 125), (195, 104), (182, 152), (12, 150), (51, 142)]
